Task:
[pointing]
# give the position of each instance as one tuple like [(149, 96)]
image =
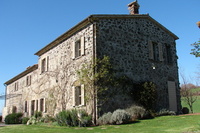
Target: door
[(172, 96)]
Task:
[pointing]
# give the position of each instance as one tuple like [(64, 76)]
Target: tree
[(187, 94), (97, 77), (196, 50)]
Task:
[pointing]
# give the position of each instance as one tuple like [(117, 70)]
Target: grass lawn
[(168, 124)]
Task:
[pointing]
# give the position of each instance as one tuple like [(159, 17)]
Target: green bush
[(37, 114), (84, 119), (48, 119), (14, 118), (73, 118), (64, 118), (0, 118), (136, 112), (25, 120), (105, 119), (185, 110), (165, 112), (120, 116), (149, 114)]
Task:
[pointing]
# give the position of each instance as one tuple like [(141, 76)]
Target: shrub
[(37, 114), (149, 114), (105, 119), (73, 118), (25, 120), (136, 112), (165, 112), (185, 110), (14, 118), (63, 118), (48, 119), (120, 116), (84, 118), (0, 118)]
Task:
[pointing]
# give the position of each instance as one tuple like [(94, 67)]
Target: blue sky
[(26, 26)]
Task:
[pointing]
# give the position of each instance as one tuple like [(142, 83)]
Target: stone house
[(138, 46)]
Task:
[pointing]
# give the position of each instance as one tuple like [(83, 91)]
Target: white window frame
[(78, 48), (78, 95)]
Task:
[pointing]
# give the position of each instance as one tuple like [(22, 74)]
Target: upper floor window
[(28, 80), (44, 64), (155, 51), (168, 54), (16, 86), (78, 48)]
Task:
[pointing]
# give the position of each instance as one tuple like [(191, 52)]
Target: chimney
[(134, 8)]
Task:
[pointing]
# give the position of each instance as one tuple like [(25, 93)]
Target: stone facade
[(139, 47)]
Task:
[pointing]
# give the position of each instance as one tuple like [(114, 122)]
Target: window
[(36, 107), (26, 107), (16, 86), (42, 105), (44, 64), (79, 96), (168, 54), (28, 80), (155, 51), (14, 109), (78, 48), (32, 107)]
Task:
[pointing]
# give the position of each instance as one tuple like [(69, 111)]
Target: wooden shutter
[(160, 51), (82, 45), (150, 44), (45, 109), (82, 94), (47, 63), (73, 50), (73, 96)]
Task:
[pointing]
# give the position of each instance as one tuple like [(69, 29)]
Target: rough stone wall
[(126, 42), (55, 84)]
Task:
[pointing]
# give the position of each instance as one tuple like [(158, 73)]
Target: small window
[(155, 51), (42, 105), (28, 80), (78, 48), (14, 109), (32, 107), (16, 86), (45, 64), (79, 95), (43, 67), (168, 54), (36, 107), (26, 107)]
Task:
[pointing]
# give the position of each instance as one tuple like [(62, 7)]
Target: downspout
[(5, 95), (95, 109)]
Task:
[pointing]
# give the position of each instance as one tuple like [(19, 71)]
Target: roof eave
[(92, 18), (30, 69)]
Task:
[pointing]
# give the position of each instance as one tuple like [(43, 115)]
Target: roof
[(27, 71), (90, 20)]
